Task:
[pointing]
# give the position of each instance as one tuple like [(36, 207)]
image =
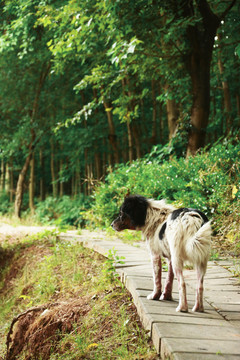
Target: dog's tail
[(198, 245)]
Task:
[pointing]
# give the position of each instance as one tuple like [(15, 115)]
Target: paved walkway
[(212, 335)]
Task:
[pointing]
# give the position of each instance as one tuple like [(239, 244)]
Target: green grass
[(40, 269)]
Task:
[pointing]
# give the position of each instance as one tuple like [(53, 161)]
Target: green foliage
[(86, 85), (62, 211), (209, 181), (5, 205)]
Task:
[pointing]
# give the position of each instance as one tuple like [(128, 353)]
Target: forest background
[(104, 98)]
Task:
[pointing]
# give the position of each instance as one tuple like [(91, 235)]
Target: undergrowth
[(209, 181), (62, 211), (42, 270)]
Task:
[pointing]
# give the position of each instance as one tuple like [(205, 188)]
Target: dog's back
[(189, 236)]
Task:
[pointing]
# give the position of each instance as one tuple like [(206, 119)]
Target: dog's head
[(132, 213)]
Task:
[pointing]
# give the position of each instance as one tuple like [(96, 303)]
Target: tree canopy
[(89, 84)]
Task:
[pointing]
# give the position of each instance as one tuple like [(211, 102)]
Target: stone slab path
[(212, 335)]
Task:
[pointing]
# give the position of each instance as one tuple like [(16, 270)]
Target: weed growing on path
[(109, 268)]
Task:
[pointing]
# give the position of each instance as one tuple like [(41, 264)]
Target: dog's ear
[(136, 207)]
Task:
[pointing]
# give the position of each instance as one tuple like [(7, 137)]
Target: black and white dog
[(178, 234)]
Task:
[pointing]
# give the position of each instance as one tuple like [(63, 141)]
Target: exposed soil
[(35, 333)]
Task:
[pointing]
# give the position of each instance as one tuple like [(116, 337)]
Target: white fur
[(185, 239)]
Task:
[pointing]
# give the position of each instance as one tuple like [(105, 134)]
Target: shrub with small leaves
[(209, 181)]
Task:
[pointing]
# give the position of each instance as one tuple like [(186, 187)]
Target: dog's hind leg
[(199, 292), (167, 294), (183, 306), (157, 278)]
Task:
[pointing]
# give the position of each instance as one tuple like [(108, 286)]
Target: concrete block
[(191, 331), (206, 347)]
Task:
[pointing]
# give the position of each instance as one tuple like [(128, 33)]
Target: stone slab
[(180, 331), (144, 293), (220, 281), (230, 315), (141, 270), (228, 307), (205, 347), (144, 283), (217, 297), (198, 356), (153, 306)]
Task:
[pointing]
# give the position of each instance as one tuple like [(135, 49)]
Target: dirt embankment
[(36, 332)]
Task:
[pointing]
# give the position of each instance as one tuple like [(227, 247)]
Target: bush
[(209, 181), (62, 211)]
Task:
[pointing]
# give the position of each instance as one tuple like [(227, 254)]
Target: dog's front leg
[(157, 278), (167, 293)]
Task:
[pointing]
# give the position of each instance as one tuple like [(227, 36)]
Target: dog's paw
[(182, 308), (154, 296), (166, 296), (197, 308)]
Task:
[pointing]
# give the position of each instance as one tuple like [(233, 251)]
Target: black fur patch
[(135, 206), (180, 211), (162, 231)]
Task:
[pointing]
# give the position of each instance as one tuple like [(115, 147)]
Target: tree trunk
[(129, 123), (201, 37), (201, 41), (160, 116), (89, 178), (226, 92), (53, 173), (200, 74), (77, 185), (97, 154), (136, 140), (20, 184), (136, 130), (86, 172), (61, 187), (130, 142), (112, 135), (238, 105), (153, 139), (11, 181), (7, 179), (104, 159), (3, 175), (31, 184), (172, 116), (73, 184), (42, 175), (97, 161), (21, 178)]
